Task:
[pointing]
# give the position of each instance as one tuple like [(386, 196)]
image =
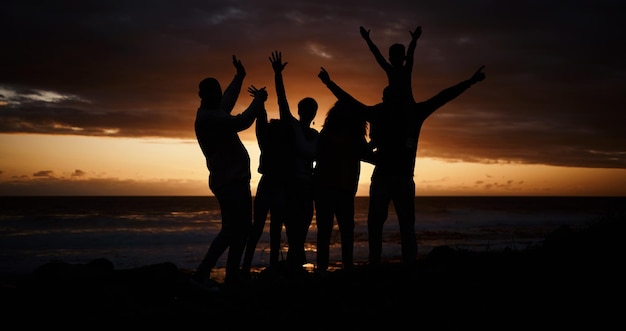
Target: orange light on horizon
[(93, 165)]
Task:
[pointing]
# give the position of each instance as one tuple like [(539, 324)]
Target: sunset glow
[(110, 110), (69, 165)]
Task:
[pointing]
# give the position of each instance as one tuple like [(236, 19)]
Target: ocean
[(133, 231)]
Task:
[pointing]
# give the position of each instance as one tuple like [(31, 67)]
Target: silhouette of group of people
[(306, 172)]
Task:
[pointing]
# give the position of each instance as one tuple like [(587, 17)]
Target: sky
[(99, 97)]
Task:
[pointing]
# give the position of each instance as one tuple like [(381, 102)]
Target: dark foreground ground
[(572, 280)]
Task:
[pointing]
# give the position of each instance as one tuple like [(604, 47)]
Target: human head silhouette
[(307, 109), (390, 95), (210, 91), (344, 118), (397, 54)]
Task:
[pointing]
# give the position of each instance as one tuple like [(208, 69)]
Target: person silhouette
[(228, 163), (399, 72), (341, 148), (400, 66), (300, 189), (394, 162), (271, 195)]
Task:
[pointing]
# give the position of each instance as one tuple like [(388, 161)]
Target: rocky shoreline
[(556, 284)]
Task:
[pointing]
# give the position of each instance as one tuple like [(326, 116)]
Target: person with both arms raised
[(228, 163), (394, 162)]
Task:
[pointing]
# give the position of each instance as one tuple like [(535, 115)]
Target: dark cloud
[(44, 173), (78, 173), (61, 118), (106, 186), (553, 93)]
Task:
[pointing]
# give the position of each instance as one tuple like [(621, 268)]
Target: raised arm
[(278, 66), (377, 54), (410, 52), (231, 93), (243, 120), (256, 106), (342, 95), (447, 95), (261, 126), (339, 93)]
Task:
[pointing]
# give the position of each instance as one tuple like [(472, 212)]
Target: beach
[(570, 280), (141, 230)]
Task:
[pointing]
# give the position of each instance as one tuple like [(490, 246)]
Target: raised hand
[(364, 33), (241, 71), (258, 93), (324, 76), (478, 76), (277, 62), (417, 33)]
